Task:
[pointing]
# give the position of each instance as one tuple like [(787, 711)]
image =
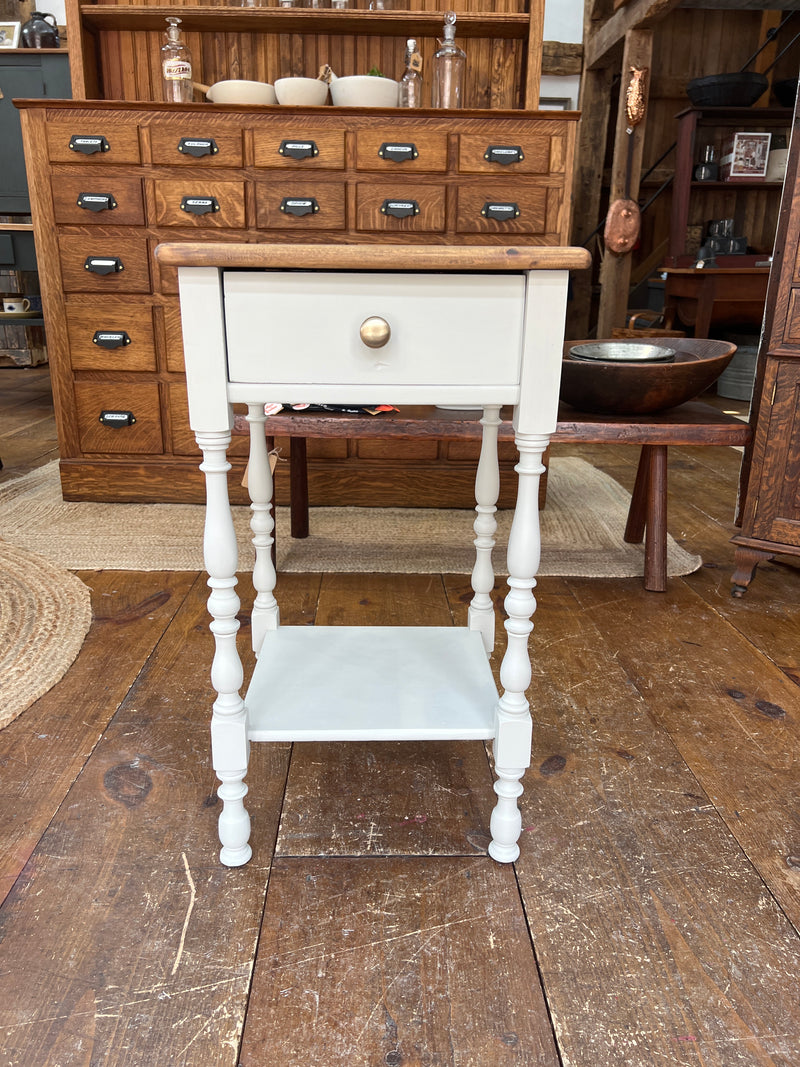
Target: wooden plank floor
[(653, 917)]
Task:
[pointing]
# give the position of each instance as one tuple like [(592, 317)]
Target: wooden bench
[(694, 423)]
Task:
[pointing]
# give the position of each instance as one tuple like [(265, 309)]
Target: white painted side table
[(408, 325)]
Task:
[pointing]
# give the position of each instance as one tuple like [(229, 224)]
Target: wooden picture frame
[(748, 158), (9, 34)]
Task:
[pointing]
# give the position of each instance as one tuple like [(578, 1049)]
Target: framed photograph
[(748, 157), (9, 34)]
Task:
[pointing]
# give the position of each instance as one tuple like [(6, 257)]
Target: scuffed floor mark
[(192, 899)]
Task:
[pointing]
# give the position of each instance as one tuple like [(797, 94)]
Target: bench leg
[(648, 515), (298, 487)]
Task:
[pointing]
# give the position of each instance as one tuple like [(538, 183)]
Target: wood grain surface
[(652, 918)]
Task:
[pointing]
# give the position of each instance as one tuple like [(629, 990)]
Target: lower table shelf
[(376, 683)]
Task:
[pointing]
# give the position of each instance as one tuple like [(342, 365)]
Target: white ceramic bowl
[(364, 90), (241, 92), (301, 92)]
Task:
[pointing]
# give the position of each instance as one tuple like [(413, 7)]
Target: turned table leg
[(647, 516), (229, 743), (513, 727)]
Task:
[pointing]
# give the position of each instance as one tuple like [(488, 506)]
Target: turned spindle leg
[(229, 744), (265, 615), (487, 490), (512, 743)]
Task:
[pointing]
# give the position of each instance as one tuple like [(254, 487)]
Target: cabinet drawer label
[(103, 264), (96, 201), (198, 146), (400, 209), (88, 144), (299, 206), (299, 149), (504, 154), (398, 153), (111, 338), (117, 419), (199, 205), (500, 212)]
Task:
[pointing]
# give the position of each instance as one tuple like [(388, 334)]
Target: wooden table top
[(691, 423)]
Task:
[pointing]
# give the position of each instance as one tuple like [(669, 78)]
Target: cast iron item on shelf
[(39, 33), (739, 89)]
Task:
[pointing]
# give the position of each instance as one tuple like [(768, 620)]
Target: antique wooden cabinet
[(770, 486), (113, 176), (109, 181)]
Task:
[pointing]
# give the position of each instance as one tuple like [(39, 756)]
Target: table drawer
[(297, 204), (190, 143), (131, 418), (402, 150), (200, 203), (402, 207), (464, 329), (107, 199), (104, 264), (297, 147), (501, 207), (92, 143), (110, 334), (523, 153)]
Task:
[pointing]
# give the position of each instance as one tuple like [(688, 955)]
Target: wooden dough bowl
[(614, 388)]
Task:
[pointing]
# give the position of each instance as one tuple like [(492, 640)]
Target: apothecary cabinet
[(115, 171)]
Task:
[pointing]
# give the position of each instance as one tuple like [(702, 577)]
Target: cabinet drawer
[(402, 206), (120, 401), (402, 151), (201, 203), (104, 264), (190, 143), (501, 207), (105, 198), (298, 147), (297, 204), (528, 153), (445, 329), (91, 143), (173, 336), (110, 334)]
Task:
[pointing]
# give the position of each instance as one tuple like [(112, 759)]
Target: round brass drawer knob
[(375, 331)]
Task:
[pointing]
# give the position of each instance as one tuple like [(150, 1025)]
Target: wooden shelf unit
[(754, 203), (115, 62), (116, 46)]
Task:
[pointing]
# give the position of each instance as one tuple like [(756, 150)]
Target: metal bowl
[(615, 387), (623, 352)]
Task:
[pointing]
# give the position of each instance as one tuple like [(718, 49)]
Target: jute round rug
[(45, 613)]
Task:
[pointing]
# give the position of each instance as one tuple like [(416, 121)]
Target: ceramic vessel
[(301, 92), (364, 90), (241, 92), (39, 33)]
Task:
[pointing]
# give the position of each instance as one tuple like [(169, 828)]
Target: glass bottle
[(410, 92), (449, 67), (176, 66)]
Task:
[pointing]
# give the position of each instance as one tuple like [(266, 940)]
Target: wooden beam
[(595, 107), (615, 272), (560, 59), (637, 15)]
